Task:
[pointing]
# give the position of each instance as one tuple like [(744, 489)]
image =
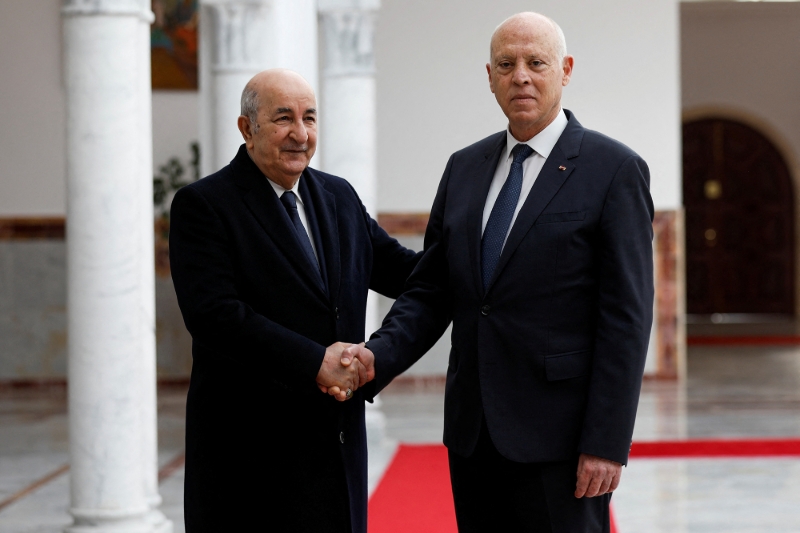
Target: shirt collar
[(280, 190), (544, 141)]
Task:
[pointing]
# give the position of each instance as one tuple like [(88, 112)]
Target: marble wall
[(33, 329), (33, 301), (33, 325), (670, 335), (33, 335)]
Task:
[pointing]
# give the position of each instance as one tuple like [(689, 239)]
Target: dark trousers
[(492, 493)]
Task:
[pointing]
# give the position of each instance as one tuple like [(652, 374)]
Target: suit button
[(336, 310), (341, 437), (485, 310)]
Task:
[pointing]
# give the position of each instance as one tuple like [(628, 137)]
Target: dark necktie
[(289, 201), (494, 235)]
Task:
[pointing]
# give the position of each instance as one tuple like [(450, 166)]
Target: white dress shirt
[(542, 144), (300, 209)]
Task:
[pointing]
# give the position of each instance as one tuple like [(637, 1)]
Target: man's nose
[(299, 133), (521, 76)]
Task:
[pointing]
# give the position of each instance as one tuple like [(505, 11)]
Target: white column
[(348, 131), (240, 38), (348, 123), (107, 211), (148, 402)]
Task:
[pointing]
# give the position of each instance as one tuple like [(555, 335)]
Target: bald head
[(262, 86), (528, 68), (279, 124), (529, 21)]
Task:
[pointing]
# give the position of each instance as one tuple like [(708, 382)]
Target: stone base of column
[(110, 528), (106, 521), (158, 522)]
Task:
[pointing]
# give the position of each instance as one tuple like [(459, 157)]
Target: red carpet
[(414, 495), (718, 448)]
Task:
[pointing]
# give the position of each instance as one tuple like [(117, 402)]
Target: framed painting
[(173, 44)]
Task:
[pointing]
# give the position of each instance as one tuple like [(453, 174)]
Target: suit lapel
[(482, 180), (553, 175), (264, 204), (325, 211)]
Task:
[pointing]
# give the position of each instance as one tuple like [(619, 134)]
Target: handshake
[(345, 368)]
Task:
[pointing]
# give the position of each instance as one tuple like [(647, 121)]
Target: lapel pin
[(562, 167)]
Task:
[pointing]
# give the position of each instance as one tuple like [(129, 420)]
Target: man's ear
[(245, 127), (489, 73), (569, 61)]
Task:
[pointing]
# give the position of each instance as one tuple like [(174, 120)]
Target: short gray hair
[(561, 45), (250, 106)]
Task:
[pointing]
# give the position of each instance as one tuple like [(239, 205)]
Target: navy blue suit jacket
[(257, 428), (552, 353)]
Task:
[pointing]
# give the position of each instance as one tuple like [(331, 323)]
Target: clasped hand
[(345, 368)]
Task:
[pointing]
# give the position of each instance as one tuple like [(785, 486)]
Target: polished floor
[(740, 392)]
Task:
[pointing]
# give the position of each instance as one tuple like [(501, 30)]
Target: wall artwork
[(173, 44)]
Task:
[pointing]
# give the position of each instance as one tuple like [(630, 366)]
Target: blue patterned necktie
[(494, 235), (289, 201)]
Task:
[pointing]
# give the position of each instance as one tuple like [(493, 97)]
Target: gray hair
[(561, 45), (250, 106)]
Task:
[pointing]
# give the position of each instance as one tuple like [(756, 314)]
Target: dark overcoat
[(265, 449)]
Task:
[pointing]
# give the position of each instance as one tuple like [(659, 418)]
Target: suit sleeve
[(212, 311), (422, 313), (625, 313)]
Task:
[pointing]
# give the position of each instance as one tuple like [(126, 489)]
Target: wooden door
[(739, 203)]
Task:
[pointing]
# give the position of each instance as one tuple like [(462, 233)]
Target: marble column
[(148, 402), (347, 110), (348, 127), (240, 38), (348, 123), (109, 213)]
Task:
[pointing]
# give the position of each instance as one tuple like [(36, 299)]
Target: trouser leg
[(492, 493)]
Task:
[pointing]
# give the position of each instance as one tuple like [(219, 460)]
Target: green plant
[(169, 178)]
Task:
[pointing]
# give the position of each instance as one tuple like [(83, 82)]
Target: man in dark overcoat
[(272, 262)]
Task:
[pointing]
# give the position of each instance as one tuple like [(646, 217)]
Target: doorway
[(739, 203)]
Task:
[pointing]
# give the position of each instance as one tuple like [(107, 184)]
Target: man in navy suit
[(539, 250), (272, 262)]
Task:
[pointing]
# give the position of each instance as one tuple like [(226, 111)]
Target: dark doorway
[(739, 203)]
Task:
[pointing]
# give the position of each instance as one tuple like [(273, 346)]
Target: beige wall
[(174, 125), (32, 113), (433, 96)]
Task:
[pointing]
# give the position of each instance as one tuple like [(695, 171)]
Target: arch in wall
[(740, 220)]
